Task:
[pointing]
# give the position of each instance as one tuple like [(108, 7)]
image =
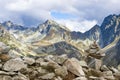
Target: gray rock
[(48, 76), (74, 67), (28, 60), (6, 78), (117, 75), (93, 51), (118, 67), (60, 59), (7, 73), (20, 77), (114, 70), (108, 75), (14, 65), (4, 48), (83, 64), (104, 68), (53, 65), (42, 71), (44, 64), (49, 58), (96, 78), (62, 71), (1, 66), (58, 78), (80, 78), (39, 60)]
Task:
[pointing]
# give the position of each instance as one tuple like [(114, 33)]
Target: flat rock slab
[(14, 65)]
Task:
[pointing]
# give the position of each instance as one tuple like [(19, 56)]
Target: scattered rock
[(58, 78), (80, 78), (42, 71), (62, 71), (83, 64), (53, 65), (49, 58), (60, 59), (28, 60), (39, 60), (20, 77), (108, 75), (7, 78), (1, 66), (14, 65), (48, 76), (104, 68), (114, 70), (74, 67)]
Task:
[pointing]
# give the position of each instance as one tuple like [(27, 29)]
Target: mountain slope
[(110, 29), (59, 49)]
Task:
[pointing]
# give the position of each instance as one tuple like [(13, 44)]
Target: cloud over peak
[(78, 15)]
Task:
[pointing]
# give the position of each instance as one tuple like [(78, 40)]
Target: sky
[(77, 15)]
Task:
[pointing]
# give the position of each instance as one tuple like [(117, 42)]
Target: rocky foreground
[(51, 67)]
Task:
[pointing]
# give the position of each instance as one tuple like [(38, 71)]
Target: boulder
[(117, 75), (49, 58), (80, 78), (114, 70), (7, 73), (4, 48), (39, 60), (48, 76), (74, 67), (5, 77), (20, 77), (14, 65), (118, 67), (104, 68), (53, 65), (60, 59), (83, 64), (42, 71), (96, 78), (95, 73), (108, 75), (29, 60), (1, 66), (58, 78), (62, 71)]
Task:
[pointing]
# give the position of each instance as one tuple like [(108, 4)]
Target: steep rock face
[(94, 34), (112, 55), (110, 29)]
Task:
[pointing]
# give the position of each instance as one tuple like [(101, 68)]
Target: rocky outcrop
[(4, 48)]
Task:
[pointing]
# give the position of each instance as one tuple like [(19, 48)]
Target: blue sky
[(77, 15)]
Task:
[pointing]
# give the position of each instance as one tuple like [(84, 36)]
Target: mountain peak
[(49, 21), (8, 23)]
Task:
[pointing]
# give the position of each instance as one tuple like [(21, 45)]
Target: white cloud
[(81, 26), (88, 12)]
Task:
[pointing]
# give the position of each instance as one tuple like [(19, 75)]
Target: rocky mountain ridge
[(50, 34)]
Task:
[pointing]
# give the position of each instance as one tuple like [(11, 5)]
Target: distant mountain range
[(53, 38)]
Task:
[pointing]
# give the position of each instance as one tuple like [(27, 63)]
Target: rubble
[(53, 67)]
